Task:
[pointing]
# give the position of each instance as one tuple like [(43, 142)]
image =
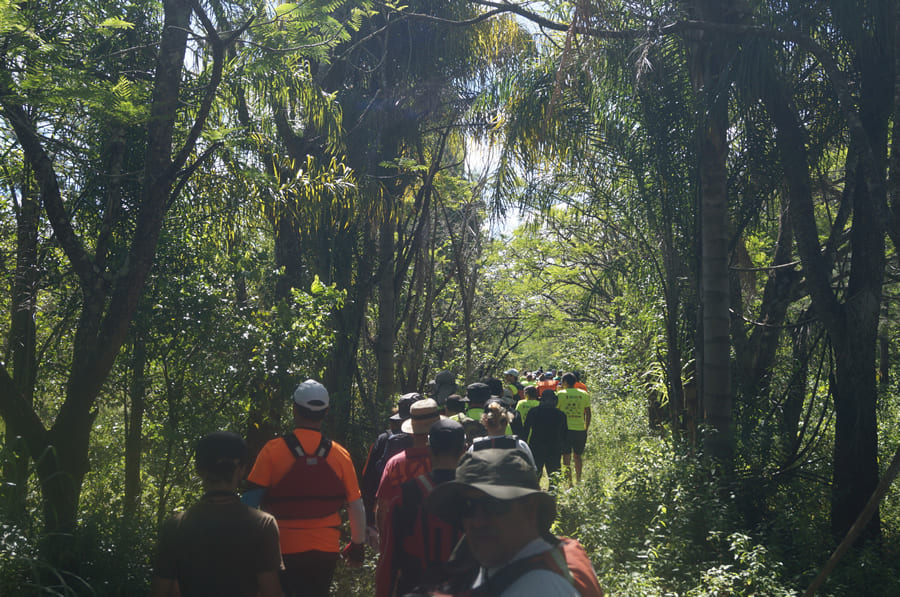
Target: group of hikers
[(449, 497)]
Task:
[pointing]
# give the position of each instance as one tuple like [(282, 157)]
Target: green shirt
[(573, 401), (524, 406)]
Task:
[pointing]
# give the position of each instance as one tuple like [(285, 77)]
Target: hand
[(373, 539), (354, 554)]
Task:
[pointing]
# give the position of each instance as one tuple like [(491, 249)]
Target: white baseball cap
[(312, 395)]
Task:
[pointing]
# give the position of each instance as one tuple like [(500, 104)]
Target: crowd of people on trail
[(449, 498)]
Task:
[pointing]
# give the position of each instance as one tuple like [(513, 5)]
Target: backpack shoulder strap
[(297, 449), (293, 445), (324, 447)]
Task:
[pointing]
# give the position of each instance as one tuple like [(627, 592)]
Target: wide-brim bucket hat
[(502, 474)]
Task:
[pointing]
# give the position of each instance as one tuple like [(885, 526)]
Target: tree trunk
[(23, 351), (851, 326), (706, 66), (386, 337), (134, 429)]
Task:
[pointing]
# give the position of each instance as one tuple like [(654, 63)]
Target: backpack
[(417, 543), (310, 489), (505, 442), (424, 541), (568, 558)]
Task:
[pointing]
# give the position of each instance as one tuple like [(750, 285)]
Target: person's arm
[(269, 584), (356, 512), (587, 418), (253, 495)]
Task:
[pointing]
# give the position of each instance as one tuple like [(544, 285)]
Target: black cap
[(549, 396), (456, 403), (447, 435), (404, 404), (218, 446), (478, 392)]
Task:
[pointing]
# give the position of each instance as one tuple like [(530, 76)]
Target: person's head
[(443, 384), (531, 393), (497, 499), (478, 393), (422, 415), (495, 417), (548, 375), (530, 376), (511, 375), (404, 403), (549, 398), (455, 404), (568, 380), (310, 404), (222, 459), (447, 442), (495, 386)]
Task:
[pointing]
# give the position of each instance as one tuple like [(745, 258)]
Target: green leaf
[(283, 9), (117, 23)]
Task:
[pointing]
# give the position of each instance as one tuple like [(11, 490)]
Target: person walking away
[(456, 411), (418, 543), (531, 400), (507, 549), (219, 546), (478, 393), (546, 432), (511, 380), (547, 382), (411, 462), (304, 479), (496, 418), (576, 404), (392, 441), (442, 386)]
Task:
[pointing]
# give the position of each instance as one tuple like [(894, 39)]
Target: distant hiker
[(478, 393), (496, 418), (511, 381), (456, 411), (577, 406), (547, 382), (393, 441), (579, 383), (411, 462), (418, 543), (546, 431), (219, 546), (500, 392), (304, 479), (531, 400), (508, 550), (442, 386)]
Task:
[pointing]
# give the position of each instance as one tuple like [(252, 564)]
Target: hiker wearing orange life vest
[(507, 549), (304, 479)]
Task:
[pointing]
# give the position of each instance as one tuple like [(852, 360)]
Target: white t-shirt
[(519, 442)]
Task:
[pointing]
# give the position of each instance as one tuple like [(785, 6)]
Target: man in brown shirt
[(219, 547)]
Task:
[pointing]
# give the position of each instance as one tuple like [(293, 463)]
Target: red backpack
[(423, 542), (310, 489)]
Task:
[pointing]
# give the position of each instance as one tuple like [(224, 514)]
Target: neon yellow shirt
[(524, 406), (573, 401)]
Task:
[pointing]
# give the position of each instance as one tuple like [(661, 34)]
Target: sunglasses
[(469, 507)]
